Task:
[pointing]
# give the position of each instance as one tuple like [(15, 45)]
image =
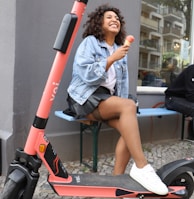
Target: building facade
[(164, 41)]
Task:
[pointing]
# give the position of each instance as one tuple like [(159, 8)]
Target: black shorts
[(80, 111)]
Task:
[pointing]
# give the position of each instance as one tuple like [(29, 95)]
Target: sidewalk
[(157, 154)]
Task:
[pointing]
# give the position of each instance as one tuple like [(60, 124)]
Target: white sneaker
[(148, 178)]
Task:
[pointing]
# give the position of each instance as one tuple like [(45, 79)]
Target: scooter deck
[(93, 185)]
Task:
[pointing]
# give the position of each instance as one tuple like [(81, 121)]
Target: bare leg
[(122, 156), (121, 115)]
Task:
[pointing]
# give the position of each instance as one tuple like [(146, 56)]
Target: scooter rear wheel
[(184, 179), (13, 190)]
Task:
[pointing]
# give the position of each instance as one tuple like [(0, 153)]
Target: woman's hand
[(120, 52), (117, 55)]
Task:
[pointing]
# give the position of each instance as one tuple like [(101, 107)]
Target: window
[(164, 49)]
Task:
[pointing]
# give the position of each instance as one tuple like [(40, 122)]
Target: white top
[(111, 75)]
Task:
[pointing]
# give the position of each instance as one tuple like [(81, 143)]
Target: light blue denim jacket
[(89, 70)]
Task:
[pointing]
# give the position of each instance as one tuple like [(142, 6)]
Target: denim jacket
[(89, 70)]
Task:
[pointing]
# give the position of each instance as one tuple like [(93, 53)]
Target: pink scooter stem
[(63, 50)]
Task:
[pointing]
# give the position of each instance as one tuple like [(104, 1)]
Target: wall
[(7, 58)]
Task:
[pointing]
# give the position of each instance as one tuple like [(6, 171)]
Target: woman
[(99, 91)]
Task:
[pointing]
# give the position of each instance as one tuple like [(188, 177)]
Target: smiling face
[(111, 23)]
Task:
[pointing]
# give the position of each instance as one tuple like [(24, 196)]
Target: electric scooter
[(23, 172)]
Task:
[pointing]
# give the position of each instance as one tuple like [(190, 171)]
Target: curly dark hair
[(93, 25)]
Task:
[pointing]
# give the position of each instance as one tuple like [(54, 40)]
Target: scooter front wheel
[(13, 190)]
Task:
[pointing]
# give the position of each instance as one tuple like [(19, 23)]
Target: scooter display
[(23, 172)]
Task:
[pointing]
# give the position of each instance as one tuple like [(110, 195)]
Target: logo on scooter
[(77, 178), (54, 92), (46, 139)]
